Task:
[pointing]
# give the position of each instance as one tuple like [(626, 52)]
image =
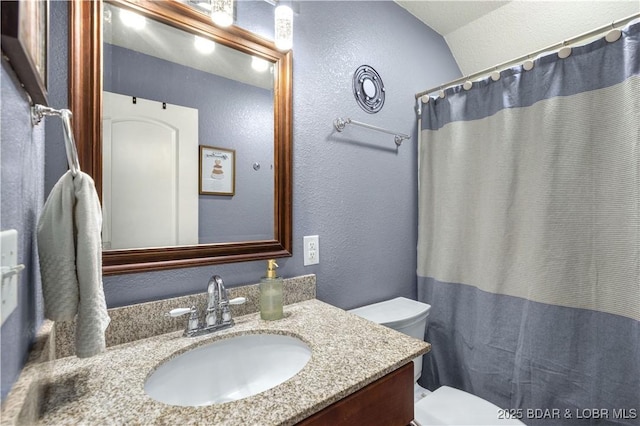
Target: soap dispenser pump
[(271, 293)]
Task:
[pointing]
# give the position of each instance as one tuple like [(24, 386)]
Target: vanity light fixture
[(259, 64), (204, 45), (284, 27), (132, 19), (222, 12)]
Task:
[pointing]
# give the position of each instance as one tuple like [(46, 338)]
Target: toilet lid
[(394, 311), (449, 406)]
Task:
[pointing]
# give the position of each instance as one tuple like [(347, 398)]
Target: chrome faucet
[(218, 312), (218, 315)]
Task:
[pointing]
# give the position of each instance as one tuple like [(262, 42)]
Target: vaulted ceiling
[(482, 34)]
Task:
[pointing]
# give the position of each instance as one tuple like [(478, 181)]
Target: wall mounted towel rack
[(341, 123), (10, 271), (39, 111)]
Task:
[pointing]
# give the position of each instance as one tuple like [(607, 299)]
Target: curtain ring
[(565, 51), (613, 34), (495, 75), (528, 64)]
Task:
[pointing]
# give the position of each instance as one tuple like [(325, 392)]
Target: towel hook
[(39, 111)]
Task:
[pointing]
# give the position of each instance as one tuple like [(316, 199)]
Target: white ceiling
[(482, 34)]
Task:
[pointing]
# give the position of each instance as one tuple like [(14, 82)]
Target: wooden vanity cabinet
[(386, 402)]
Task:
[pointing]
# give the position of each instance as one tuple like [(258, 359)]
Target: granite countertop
[(348, 353)]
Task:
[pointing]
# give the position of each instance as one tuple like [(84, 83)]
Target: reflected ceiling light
[(222, 12), (284, 27), (259, 64), (204, 45), (132, 19)]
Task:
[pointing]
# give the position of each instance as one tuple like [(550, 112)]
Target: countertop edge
[(320, 389), (22, 404)]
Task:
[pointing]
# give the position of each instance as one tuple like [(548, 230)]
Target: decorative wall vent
[(368, 89)]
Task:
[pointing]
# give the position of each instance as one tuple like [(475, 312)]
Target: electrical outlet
[(311, 250)]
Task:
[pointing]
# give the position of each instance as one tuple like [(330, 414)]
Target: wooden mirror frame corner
[(85, 102)]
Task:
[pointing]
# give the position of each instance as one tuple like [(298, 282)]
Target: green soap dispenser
[(271, 294)]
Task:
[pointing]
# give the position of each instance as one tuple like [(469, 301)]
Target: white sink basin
[(228, 370)]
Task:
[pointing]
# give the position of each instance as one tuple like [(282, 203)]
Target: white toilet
[(445, 405)]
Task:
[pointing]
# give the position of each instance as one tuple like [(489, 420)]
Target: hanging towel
[(69, 247)]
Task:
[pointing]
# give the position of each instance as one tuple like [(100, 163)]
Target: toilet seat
[(450, 406)]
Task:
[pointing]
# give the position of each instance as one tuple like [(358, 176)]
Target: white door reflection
[(149, 169)]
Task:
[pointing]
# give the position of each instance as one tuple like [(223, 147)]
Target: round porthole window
[(368, 89)]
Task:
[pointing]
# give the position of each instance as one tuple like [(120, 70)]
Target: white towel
[(69, 247)]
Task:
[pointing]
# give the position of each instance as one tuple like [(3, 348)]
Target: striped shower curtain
[(529, 237)]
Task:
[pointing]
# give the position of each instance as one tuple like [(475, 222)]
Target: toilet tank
[(401, 314)]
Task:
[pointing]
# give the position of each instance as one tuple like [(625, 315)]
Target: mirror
[(369, 88), (167, 95), (213, 186)]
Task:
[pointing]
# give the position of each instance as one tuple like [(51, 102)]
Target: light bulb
[(204, 45), (222, 12), (284, 27), (259, 64), (132, 19)]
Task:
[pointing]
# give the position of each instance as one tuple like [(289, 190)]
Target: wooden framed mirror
[(87, 97)]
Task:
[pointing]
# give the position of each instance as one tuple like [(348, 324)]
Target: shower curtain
[(529, 237)]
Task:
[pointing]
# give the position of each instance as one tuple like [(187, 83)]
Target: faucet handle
[(178, 312), (226, 312), (193, 323)]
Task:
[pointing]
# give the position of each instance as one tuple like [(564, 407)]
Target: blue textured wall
[(21, 199), (353, 189), (23, 189)]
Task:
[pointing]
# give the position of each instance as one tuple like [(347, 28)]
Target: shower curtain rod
[(576, 39)]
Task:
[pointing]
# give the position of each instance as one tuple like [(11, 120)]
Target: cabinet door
[(386, 402)]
